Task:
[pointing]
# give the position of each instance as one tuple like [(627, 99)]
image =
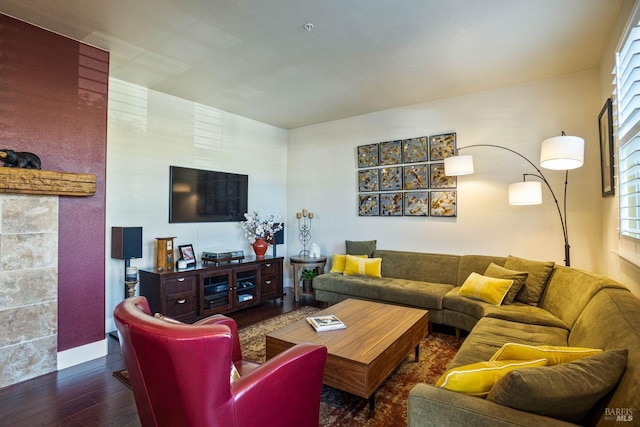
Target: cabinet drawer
[(270, 268), (181, 305), (270, 285), (180, 284)]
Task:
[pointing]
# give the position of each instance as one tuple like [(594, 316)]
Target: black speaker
[(126, 242), (278, 238)]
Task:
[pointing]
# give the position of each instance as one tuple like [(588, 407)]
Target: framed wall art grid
[(405, 177)]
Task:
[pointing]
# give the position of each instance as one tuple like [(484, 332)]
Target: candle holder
[(304, 227)]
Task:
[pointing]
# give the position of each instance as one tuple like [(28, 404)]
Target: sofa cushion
[(434, 268), (554, 354), (518, 277), (360, 265), (536, 281), (566, 391), (366, 247), (340, 261), (478, 378), (611, 321), (516, 312), (490, 334), (395, 291), (484, 288)]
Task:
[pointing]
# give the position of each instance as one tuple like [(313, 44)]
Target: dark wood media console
[(210, 289)]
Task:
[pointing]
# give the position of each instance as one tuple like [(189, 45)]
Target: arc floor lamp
[(558, 153)]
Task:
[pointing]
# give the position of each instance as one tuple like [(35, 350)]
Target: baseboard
[(84, 353)]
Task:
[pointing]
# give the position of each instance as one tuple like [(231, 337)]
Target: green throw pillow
[(361, 247), (539, 272), (518, 277), (566, 391)]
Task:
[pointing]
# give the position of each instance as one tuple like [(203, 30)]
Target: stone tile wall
[(28, 286)]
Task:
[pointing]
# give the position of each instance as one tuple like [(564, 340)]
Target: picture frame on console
[(605, 126), (187, 254)]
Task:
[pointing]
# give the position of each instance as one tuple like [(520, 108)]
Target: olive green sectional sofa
[(564, 307)]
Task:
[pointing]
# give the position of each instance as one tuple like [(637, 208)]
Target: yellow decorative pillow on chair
[(368, 266), (554, 355), (340, 262), (487, 289), (477, 379)]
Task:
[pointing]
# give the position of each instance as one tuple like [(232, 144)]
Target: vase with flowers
[(260, 232)]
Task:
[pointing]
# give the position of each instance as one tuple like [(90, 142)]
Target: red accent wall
[(53, 102)]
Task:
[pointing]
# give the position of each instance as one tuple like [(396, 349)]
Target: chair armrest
[(283, 391), (219, 319), (432, 406)]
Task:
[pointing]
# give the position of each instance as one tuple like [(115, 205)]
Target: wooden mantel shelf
[(33, 181)]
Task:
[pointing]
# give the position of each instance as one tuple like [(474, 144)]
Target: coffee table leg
[(417, 353), (372, 405)]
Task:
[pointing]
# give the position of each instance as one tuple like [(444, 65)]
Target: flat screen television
[(197, 195)]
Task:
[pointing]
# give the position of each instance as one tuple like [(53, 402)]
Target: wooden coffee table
[(361, 357)]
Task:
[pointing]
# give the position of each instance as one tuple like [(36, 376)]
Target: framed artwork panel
[(391, 178), (438, 179), (367, 155), (391, 204), (415, 150), (368, 180), (605, 124), (390, 153), (416, 177), (442, 146), (443, 203), (416, 203), (368, 204)]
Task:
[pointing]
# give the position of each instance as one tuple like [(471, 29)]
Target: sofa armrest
[(221, 319), (284, 390), (433, 406)]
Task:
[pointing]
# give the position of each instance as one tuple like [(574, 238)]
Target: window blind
[(627, 95)]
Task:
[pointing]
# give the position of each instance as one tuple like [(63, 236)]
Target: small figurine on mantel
[(19, 159)]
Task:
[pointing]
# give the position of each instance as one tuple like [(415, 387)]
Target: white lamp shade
[(562, 153), (525, 193), (458, 165)]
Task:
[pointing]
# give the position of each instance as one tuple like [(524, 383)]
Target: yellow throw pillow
[(368, 266), (487, 289), (477, 379), (340, 261), (554, 355)]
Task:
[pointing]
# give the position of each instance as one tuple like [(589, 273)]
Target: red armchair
[(180, 374)]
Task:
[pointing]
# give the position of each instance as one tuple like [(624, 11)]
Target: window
[(627, 94)]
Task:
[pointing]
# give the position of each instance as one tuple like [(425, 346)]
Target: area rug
[(338, 408)]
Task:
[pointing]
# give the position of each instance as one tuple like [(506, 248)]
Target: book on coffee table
[(325, 323)]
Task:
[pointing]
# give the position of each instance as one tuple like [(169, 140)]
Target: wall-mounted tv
[(197, 195)]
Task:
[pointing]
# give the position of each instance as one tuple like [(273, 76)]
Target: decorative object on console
[(395, 178), (315, 251), (605, 124), (304, 227), (126, 244), (164, 253), (260, 247), (19, 159), (278, 239), (558, 153), (187, 257), (260, 232)]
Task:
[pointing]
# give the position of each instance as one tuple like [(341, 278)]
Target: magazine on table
[(325, 323)]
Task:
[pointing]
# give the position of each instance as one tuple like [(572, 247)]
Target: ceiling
[(255, 58)]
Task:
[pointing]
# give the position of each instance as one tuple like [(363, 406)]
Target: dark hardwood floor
[(89, 395)]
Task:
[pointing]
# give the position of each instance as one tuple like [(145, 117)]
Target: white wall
[(147, 132), (621, 254), (323, 169)]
